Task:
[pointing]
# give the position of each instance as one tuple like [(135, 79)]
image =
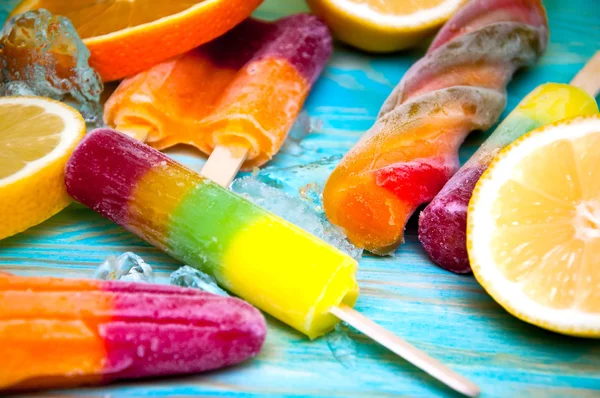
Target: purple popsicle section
[(301, 39), (304, 41), (103, 170), (158, 331), (443, 223)]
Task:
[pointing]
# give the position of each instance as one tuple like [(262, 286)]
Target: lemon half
[(533, 229), (37, 136)]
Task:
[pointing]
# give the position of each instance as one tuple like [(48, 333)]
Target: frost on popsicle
[(277, 191), (128, 267), (72, 332), (42, 54), (187, 276)]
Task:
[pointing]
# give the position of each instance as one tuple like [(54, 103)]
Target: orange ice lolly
[(244, 89)]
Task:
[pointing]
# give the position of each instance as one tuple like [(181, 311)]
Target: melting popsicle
[(280, 268), (68, 332), (241, 92), (412, 150), (443, 223)]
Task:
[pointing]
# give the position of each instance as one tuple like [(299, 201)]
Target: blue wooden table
[(446, 315)]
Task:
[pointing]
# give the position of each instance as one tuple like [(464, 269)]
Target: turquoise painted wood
[(449, 316)]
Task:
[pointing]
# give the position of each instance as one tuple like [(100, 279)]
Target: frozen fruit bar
[(412, 150), (68, 332), (269, 262), (244, 89)]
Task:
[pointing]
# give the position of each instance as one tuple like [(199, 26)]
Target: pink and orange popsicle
[(68, 332), (244, 89)]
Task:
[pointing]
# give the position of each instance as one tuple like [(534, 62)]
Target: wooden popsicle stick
[(224, 163), (138, 132), (403, 349), (588, 78)]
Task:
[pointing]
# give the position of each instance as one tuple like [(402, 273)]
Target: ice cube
[(187, 276), (342, 346), (128, 267), (278, 191), (42, 54)]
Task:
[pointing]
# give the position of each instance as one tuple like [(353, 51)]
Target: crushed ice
[(128, 267), (187, 276), (292, 179)]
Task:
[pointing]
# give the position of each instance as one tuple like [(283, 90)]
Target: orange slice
[(37, 136), (384, 25), (128, 36), (533, 229)]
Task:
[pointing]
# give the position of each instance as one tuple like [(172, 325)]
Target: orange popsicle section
[(50, 320), (236, 121)]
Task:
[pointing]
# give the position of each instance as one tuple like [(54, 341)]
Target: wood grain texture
[(448, 316)]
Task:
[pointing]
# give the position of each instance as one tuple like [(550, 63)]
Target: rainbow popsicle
[(443, 223), (69, 332), (411, 151), (273, 264), (244, 89)]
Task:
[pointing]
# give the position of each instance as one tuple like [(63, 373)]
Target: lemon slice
[(37, 135), (384, 25), (533, 229)]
